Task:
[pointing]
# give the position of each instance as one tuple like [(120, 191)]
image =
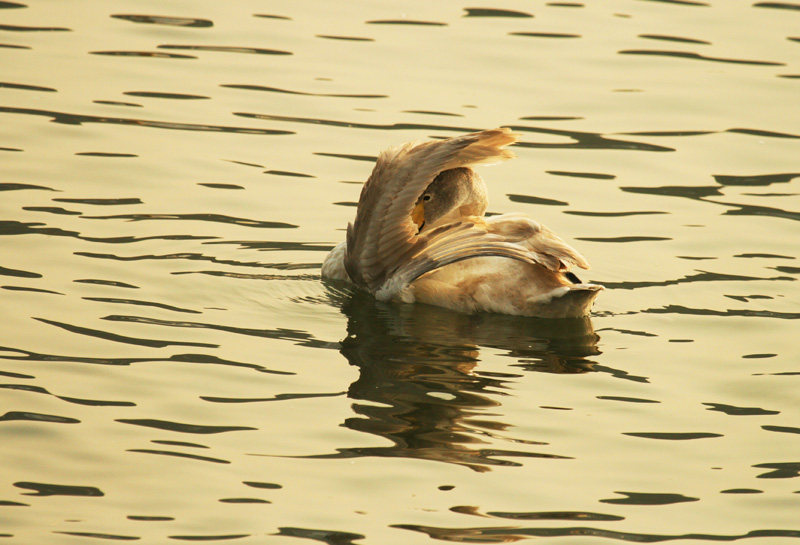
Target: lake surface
[(172, 368)]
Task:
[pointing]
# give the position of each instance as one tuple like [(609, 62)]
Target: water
[(173, 369)]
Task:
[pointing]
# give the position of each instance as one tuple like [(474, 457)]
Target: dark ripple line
[(777, 5), (23, 355), (278, 397), (493, 12), (180, 455), (330, 537), (302, 93), (697, 56), (678, 309), (77, 401), (16, 28), (218, 218), (142, 303), (122, 338), (145, 54), (496, 535), (116, 537), (80, 119), (47, 489), (702, 276), (202, 257), (38, 417), (583, 140), (4, 271), (164, 20), (226, 49), (302, 338), (182, 428), (24, 87)]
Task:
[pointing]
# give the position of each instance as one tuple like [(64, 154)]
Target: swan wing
[(383, 238), (545, 246)]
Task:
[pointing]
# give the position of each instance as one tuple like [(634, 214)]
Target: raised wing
[(382, 242), (545, 246)]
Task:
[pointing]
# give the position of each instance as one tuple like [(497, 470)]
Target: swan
[(420, 235)]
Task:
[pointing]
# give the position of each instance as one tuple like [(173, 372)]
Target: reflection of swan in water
[(420, 235), (422, 384)]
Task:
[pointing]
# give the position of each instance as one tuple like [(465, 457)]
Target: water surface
[(172, 368)]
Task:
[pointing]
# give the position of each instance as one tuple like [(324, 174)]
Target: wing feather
[(383, 238)]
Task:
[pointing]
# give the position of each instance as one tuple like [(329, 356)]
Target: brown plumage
[(454, 256)]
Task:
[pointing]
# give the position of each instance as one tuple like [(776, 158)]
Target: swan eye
[(426, 197)]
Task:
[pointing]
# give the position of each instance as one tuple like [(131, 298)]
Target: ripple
[(544, 35), (25, 87), (777, 5), (507, 535), (739, 411), (5, 186), (141, 303), (256, 484), (180, 455), (4, 271), (628, 399), (102, 202), (590, 175), (624, 239), (673, 436), (702, 276), (105, 335), (226, 49), (302, 338), (781, 429), (642, 498), (18, 354), (756, 180), (37, 417), (582, 140), (15, 28), (47, 489), (345, 38), (278, 397), (408, 22), (673, 39), (170, 96), (678, 309), (111, 283), (781, 470), (169, 21), (491, 12), (142, 54), (214, 218), (554, 515), (182, 428), (96, 535), (80, 119), (78, 401), (301, 93), (528, 199), (697, 56)]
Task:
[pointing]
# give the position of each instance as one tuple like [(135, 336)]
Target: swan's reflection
[(420, 383)]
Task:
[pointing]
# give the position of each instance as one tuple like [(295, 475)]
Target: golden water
[(172, 368)]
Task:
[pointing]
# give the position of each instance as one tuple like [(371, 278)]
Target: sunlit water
[(172, 367)]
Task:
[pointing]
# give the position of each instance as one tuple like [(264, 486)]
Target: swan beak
[(418, 215)]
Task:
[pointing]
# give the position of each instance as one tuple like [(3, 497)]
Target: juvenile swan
[(420, 235)]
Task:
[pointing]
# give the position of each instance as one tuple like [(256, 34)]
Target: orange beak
[(418, 215)]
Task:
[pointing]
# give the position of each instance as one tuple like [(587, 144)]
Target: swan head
[(453, 194)]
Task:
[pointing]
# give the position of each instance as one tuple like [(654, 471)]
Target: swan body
[(420, 235)]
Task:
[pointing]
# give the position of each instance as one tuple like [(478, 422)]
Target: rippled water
[(172, 367)]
